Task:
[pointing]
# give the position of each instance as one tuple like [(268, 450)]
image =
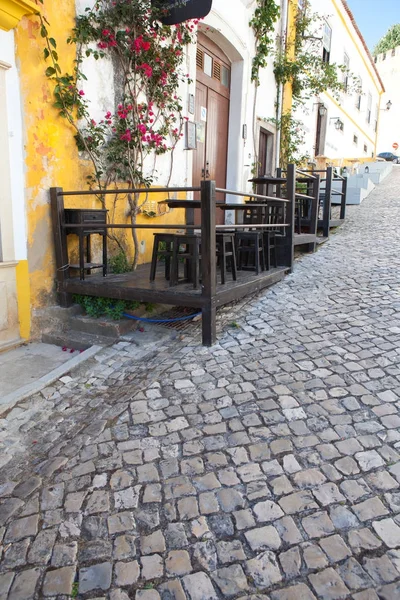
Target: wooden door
[(212, 118)]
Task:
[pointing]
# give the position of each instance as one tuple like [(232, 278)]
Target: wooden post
[(208, 262), (290, 214), (60, 245), (326, 217), (344, 198), (314, 212)]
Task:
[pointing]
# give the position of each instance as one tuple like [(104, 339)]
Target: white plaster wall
[(15, 145), (228, 26), (389, 125), (340, 144)]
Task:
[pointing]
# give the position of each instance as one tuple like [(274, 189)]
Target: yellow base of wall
[(24, 299)]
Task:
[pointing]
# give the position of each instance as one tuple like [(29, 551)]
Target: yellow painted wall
[(290, 52), (51, 156)]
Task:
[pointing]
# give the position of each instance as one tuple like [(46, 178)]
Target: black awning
[(179, 11)]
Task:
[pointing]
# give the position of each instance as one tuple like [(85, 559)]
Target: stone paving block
[(199, 587), (230, 552), (21, 528), (295, 592), (178, 563), (126, 573), (314, 557), (354, 575), (370, 509), (172, 590), (264, 570), (382, 569), (5, 584), (328, 585), (291, 562), (24, 585), (318, 524), (152, 566), (263, 538), (230, 580), (388, 531), (335, 548), (59, 581), (297, 502), (96, 577)]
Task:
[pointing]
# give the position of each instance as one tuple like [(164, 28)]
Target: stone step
[(101, 327), (78, 340)]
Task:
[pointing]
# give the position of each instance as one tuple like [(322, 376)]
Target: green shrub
[(98, 307)]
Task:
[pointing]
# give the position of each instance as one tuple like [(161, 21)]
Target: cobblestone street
[(266, 467)]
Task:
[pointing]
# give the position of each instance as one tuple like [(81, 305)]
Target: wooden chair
[(162, 248), (226, 252), (186, 248)]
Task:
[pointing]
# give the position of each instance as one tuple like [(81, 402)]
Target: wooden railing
[(209, 297)]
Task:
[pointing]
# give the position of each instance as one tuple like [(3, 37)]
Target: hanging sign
[(178, 11)]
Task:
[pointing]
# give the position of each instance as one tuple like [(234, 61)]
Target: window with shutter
[(217, 71), (200, 59)]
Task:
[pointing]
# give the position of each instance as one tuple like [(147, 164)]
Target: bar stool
[(226, 251), (250, 249), (190, 254), (162, 251)]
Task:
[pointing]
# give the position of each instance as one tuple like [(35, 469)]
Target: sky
[(375, 17)]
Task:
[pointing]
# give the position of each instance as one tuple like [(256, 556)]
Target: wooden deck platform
[(136, 285)]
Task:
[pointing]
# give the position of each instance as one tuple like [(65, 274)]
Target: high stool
[(250, 245), (226, 251), (186, 247), (165, 251)]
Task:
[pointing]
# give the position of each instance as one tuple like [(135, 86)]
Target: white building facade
[(388, 65), (342, 130)]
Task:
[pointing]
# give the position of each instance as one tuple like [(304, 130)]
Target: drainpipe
[(279, 103)]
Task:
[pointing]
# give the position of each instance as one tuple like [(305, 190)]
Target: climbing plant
[(145, 120), (263, 22), (390, 40), (301, 64)]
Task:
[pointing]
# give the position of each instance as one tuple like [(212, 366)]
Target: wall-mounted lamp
[(388, 105), (339, 125), (322, 110), (366, 170)]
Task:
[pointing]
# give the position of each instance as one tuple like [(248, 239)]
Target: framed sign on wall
[(178, 11), (191, 135)]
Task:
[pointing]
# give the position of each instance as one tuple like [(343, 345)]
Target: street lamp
[(388, 105), (339, 125)]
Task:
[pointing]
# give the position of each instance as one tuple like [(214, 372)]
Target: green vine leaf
[(50, 71)]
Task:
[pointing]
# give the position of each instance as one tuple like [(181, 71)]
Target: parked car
[(389, 156)]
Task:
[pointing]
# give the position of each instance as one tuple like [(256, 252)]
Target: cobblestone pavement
[(267, 467)]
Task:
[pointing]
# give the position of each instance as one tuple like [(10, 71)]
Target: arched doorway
[(213, 76)]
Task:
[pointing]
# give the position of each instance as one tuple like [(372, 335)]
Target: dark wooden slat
[(60, 245), (251, 286), (304, 238), (290, 215), (128, 191), (208, 263), (327, 203), (344, 199)]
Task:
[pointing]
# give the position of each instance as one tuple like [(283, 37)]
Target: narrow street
[(266, 467)]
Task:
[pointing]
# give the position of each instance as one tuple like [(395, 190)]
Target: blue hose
[(143, 320)]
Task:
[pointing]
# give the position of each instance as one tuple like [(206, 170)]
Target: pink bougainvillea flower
[(142, 128), (108, 115), (81, 93), (126, 136)]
